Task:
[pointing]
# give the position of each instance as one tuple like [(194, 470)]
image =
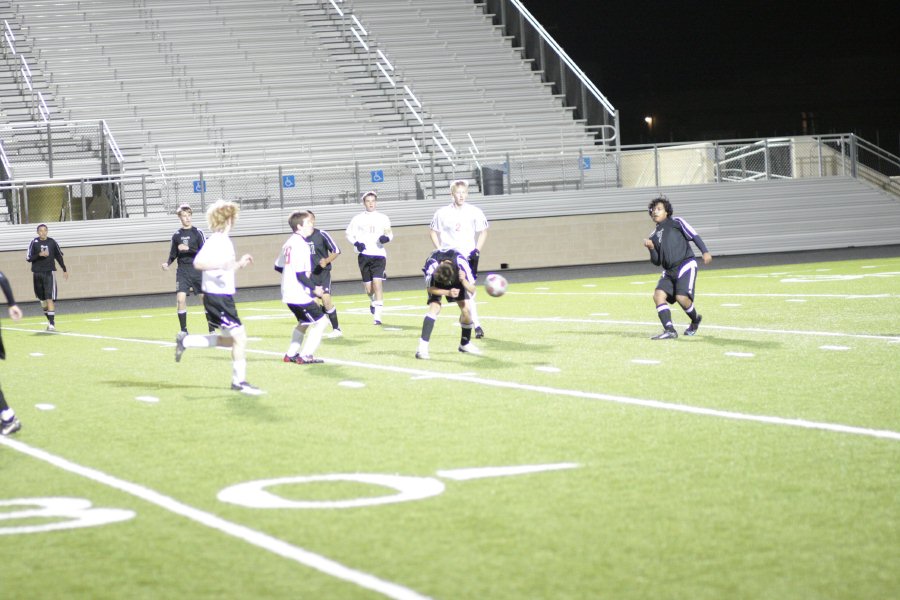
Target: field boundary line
[(261, 540)]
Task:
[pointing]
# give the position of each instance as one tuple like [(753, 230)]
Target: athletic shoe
[(245, 388), (668, 334), (377, 322), (10, 427), (470, 348), (335, 334), (694, 326), (479, 333), (51, 327), (422, 355), (179, 345), (292, 359), (309, 360)]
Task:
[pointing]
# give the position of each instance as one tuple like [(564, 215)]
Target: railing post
[(25, 201), (656, 165), (581, 168), (819, 147), (433, 195), (356, 177), (202, 195), (508, 174), (49, 150), (854, 149), (280, 186), (143, 193), (83, 203), (717, 170), (766, 159)]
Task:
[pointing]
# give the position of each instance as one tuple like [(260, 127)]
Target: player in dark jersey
[(186, 243), (9, 424), (448, 275), (324, 250), (43, 254), (669, 248)]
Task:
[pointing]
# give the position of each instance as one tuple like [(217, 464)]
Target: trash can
[(491, 181)]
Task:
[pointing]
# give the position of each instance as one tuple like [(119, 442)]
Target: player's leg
[(466, 327), (684, 295), (434, 309), (331, 313), (661, 297), (378, 299), (314, 333), (181, 309), (9, 424)]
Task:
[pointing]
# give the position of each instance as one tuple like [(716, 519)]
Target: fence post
[(655, 165), (202, 193), (854, 149), (433, 195), (580, 168), (766, 159), (84, 216), (356, 177), (508, 174), (718, 173), (25, 201)]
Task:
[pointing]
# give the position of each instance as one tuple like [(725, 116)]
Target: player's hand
[(184, 247), (360, 247), (15, 313), (707, 258), (384, 239), (648, 244), (474, 255), (165, 266), (44, 253), (318, 291), (453, 292), (66, 275), (246, 260)]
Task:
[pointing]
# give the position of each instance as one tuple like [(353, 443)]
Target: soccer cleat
[(377, 322), (422, 355), (179, 345), (479, 333), (309, 360), (668, 334), (51, 327), (245, 388), (694, 326), (10, 427), (291, 359), (335, 334), (470, 348)]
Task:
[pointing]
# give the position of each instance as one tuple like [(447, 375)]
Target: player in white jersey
[(217, 261), (369, 231), (462, 227), (299, 291)]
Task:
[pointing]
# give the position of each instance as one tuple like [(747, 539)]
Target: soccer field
[(576, 458)]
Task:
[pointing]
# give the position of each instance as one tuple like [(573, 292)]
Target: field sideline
[(574, 459)]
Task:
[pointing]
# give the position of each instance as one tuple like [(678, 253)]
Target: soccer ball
[(495, 285)]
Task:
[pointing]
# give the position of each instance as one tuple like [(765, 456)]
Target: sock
[(427, 328), (473, 310), (313, 337), (665, 316), (51, 316), (296, 341), (466, 335), (332, 316), (379, 305), (239, 371), (182, 319), (7, 415), (691, 312), (200, 341)]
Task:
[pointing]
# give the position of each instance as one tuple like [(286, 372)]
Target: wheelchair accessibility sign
[(288, 181), (199, 186), (377, 176), (585, 163)]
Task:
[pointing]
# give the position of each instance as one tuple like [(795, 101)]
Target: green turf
[(663, 503)]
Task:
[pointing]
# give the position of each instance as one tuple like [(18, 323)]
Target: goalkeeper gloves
[(359, 246), (384, 239)]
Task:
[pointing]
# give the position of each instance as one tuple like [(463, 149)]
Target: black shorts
[(45, 285), (323, 279), (221, 311), (307, 313), (463, 295), (679, 282), (371, 267), (188, 280)]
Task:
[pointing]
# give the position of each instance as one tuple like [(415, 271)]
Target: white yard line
[(261, 540), (655, 404)]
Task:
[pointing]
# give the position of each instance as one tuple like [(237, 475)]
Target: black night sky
[(716, 70)]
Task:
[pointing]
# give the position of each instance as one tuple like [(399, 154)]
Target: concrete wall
[(132, 269)]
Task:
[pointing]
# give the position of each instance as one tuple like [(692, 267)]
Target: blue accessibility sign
[(585, 163), (377, 176), (199, 186), (287, 181)]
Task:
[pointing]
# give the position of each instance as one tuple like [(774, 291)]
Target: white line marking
[(802, 423), (44, 406), (150, 399), (795, 300), (545, 369), (483, 472), (834, 347), (352, 384), (730, 305), (740, 354), (261, 540), (645, 361)]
